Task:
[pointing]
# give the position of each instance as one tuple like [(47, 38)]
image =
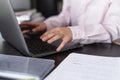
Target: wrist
[(42, 25)]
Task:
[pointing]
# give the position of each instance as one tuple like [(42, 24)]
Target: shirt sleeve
[(63, 19), (106, 32), (86, 35), (112, 20)]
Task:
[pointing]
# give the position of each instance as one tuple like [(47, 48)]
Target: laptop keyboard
[(37, 46)]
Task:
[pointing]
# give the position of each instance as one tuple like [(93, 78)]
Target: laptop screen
[(19, 5)]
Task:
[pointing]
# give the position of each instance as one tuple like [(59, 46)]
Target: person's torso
[(88, 11)]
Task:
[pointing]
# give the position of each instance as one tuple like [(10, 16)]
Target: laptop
[(27, 45)]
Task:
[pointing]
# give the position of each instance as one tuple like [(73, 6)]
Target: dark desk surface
[(91, 49)]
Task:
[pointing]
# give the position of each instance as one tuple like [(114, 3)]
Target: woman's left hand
[(54, 34)]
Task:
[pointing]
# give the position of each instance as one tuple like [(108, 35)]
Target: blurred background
[(36, 10), (46, 7)]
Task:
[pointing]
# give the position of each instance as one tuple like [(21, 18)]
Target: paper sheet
[(87, 67)]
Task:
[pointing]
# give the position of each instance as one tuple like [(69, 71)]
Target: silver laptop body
[(11, 32)]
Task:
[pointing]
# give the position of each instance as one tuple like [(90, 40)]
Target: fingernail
[(49, 42), (33, 30), (58, 50), (43, 39)]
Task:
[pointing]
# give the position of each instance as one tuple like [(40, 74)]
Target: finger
[(23, 24), (51, 32), (46, 34), (25, 31), (51, 40), (40, 27), (28, 25), (64, 42), (46, 37), (37, 29)]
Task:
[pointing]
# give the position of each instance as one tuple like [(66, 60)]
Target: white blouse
[(91, 21)]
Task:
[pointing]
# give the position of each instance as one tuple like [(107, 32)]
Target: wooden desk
[(91, 49)]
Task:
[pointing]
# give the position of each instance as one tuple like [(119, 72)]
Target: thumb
[(37, 29), (40, 27)]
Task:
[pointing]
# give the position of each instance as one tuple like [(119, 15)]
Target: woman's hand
[(58, 33), (26, 27)]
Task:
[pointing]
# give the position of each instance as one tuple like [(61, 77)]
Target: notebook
[(87, 67), (11, 32), (24, 68)]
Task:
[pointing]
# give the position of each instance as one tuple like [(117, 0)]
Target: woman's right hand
[(27, 27)]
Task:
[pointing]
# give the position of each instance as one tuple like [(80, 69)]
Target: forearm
[(86, 35), (57, 21), (63, 19)]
